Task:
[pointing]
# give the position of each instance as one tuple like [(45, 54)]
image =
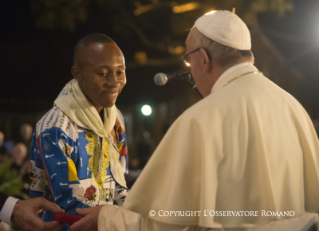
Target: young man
[(79, 152)]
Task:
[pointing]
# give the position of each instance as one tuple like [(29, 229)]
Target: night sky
[(35, 63), (296, 36)]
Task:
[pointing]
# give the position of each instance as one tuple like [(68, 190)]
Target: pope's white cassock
[(249, 148)]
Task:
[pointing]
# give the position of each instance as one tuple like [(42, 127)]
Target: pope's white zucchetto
[(225, 28)]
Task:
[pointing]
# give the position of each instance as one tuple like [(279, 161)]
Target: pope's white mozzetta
[(248, 146), (242, 148)]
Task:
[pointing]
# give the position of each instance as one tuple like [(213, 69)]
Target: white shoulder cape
[(248, 146)]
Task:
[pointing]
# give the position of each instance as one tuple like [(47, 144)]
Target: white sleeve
[(116, 218), (7, 209)]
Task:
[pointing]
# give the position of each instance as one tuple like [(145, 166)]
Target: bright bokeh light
[(186, 7), (146, 110)]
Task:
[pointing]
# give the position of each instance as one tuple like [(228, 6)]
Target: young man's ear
[(76, 73)]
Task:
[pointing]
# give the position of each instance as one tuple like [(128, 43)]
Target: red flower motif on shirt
[(90, 193)]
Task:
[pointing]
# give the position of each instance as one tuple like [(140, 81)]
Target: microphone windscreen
[(160, 79)]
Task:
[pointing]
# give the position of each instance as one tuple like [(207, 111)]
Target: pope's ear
[(76, 73), (206, 59)]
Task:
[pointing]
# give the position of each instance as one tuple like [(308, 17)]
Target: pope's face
[(196, 67), (101, 75)]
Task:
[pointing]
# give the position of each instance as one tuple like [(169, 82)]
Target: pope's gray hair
[(223, 55)]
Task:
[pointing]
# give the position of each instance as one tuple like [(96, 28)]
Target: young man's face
[(101, 75)]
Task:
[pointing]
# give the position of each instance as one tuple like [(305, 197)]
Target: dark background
[(35, 60)]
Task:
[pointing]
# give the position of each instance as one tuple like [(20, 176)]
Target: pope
[(247, 147)]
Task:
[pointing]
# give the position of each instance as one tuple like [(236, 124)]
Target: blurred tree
[(160, 25), (52, 14)]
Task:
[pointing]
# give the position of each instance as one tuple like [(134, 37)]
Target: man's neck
[(101, 113)]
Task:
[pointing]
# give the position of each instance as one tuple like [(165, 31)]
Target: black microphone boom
[(162, 78)]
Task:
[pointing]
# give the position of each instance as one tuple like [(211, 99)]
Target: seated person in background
[(25, 136), (3, 149), (79, 153), (19, 154)]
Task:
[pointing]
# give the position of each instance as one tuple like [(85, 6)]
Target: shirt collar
[(231, 69)]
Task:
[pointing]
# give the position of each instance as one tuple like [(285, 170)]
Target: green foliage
[(160, 25), (279, 6), (10, 181), (249, 9), (65, 14)]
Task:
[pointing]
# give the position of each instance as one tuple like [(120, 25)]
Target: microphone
[(162, 78)]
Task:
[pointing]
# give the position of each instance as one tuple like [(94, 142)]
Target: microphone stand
[(188, 79)]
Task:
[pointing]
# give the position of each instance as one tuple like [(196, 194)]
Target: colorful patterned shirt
[(71, 166)]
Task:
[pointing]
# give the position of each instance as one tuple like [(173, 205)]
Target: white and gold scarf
[(75, 105)]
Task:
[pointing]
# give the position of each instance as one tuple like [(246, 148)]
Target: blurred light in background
[(146, 110), (186, 7), (178, 50), (143, 9), (211, 12), (141, 57)]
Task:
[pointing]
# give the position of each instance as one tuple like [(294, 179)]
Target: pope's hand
[(89, 220)]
